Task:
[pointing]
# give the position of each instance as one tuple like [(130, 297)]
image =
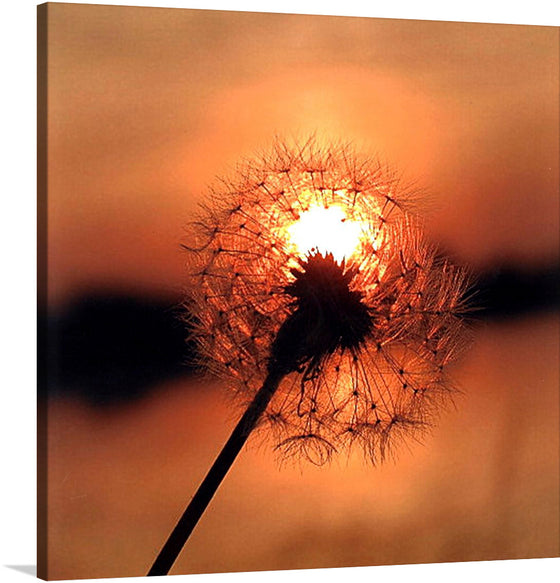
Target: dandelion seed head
[(311, 260)]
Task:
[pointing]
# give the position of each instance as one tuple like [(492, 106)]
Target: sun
[(326, 230)]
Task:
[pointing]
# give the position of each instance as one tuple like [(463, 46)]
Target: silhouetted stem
[(216, 474)]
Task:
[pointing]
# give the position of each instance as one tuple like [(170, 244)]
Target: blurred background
[(145, 108)]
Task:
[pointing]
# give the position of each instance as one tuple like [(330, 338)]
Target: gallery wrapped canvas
[(298, 291)]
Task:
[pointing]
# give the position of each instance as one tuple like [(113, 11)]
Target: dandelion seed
[(315, 294)]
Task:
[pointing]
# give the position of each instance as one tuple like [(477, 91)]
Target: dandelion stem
[(216, 474)]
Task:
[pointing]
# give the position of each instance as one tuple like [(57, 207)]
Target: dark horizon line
[(109, 347)]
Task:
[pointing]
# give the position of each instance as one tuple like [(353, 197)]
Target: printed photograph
[(298, 291)]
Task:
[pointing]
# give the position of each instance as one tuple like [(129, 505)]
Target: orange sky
[(147, 106)]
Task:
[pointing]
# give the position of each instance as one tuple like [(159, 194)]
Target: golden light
[(326, 230)]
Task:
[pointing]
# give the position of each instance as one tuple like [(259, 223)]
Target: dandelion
[(315, 294)]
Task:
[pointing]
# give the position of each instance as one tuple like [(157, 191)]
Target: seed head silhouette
[(310, 261), (315, 294)]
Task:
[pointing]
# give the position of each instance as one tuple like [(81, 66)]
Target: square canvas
[(298, 291)]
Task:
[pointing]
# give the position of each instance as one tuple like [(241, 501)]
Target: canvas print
[(298, 291)]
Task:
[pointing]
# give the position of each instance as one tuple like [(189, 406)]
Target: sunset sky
[(146, 107)]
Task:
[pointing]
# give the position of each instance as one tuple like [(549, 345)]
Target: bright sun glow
[(326, 230)]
